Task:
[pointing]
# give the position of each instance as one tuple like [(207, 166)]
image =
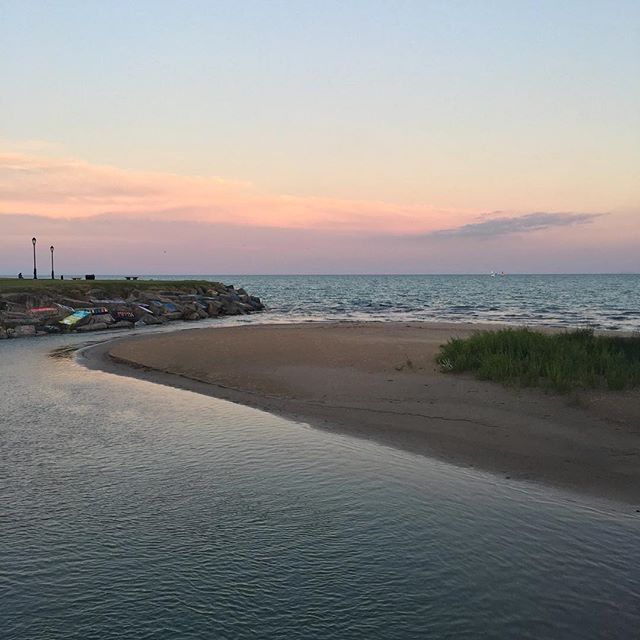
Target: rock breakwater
[(59, 309)]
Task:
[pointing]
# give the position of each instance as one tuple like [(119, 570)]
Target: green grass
[(560, 362), (112, 287)]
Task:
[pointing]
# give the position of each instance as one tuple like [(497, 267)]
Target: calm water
[(600, 301), (131, 510)]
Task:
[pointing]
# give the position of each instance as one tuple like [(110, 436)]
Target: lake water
[(600, 301), (132, 510)]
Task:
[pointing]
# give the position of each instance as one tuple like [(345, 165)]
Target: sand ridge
[(380, 381)]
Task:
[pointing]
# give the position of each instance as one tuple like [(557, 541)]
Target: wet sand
[(380, 381)]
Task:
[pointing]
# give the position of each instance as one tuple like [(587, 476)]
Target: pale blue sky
[(401, 100)]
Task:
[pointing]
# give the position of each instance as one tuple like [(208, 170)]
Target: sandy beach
[(380, 381)]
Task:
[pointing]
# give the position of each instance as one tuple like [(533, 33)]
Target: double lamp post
[(35, 268)]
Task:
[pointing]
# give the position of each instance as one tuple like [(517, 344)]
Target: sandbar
[(381, 381)]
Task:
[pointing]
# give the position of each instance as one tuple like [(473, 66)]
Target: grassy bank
[(112, 287), (561, 362)]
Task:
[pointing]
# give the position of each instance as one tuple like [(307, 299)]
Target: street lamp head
[(51, 248), (33, 241)]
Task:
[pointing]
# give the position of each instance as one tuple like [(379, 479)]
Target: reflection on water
[(131, 510)]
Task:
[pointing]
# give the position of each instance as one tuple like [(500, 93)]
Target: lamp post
[(35, 270), (53, 275)]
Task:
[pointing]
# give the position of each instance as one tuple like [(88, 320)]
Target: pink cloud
[(71, 188)]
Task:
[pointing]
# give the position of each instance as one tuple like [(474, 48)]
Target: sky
[(352, 136)]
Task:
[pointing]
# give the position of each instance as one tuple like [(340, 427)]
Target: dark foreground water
[(131, 510), (599, 301)]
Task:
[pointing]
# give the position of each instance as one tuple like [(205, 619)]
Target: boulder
[(214, 308), (256, 303), (22, 299), (189, 311), (24, 331), (217, 287), (122, 324), (156, 307), (15, 320), (51, 328), (76, 304), (102, 317), (231, 308), (94, 326), (100, 294)]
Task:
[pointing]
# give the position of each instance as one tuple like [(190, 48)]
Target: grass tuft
[(560, 362)]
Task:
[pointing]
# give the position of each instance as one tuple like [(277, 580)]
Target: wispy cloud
[(70, 188), (526, 223)]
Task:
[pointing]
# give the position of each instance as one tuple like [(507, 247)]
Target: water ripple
[(599, 301), (131, 510)]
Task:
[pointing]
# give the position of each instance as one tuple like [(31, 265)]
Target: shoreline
[(379, 381)]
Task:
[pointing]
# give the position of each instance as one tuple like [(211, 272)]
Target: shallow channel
[(134, 510)]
